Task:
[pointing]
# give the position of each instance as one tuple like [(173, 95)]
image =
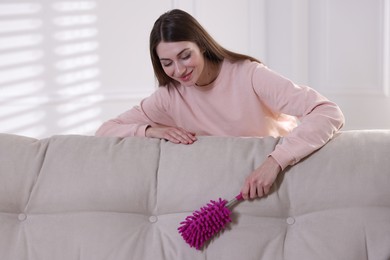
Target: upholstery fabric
[(84, 197)]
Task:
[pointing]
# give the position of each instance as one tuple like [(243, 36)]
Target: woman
[(208, 90)]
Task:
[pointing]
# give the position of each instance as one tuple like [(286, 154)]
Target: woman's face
[(182, 61)]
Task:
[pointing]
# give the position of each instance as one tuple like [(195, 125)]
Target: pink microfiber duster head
[(207, 221)]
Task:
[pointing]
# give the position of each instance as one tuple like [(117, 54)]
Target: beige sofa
[(91, 198)]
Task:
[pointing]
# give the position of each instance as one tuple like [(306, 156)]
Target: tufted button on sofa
[(83, 197)]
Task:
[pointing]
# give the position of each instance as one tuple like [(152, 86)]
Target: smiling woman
[(206, 89)]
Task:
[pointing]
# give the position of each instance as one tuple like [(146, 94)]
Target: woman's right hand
[(175, 135)]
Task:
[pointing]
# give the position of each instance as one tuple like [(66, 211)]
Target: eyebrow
[(177, 54)]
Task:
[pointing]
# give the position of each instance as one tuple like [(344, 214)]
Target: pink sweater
[(247, 99)]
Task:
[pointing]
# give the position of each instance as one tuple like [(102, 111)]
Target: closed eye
[(166, 63), (186, 56)]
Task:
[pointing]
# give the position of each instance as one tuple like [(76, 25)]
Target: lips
[(186, 77)]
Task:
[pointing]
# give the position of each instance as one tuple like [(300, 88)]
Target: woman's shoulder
[(161, 97), (243, 64), (168, 92), (242, 67)]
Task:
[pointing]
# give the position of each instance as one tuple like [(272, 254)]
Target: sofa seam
[(46, 143)]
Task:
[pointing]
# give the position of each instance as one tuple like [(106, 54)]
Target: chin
[(187, 83)]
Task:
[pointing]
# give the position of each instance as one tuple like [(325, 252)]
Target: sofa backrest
[(83, 197)]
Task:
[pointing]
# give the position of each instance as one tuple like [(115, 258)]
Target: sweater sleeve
[(150, 112), (319, 118)]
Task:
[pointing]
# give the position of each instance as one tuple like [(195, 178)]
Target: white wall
[(67, 66)]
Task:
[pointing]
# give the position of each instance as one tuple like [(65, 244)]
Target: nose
[(179, 69)]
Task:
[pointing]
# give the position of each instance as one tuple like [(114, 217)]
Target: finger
[(185, 137), (245, 191), (266, 189), (181, 137), (193, 136), (173, 136), (188, 136), (252, 191), (260, 191), (172, 139)]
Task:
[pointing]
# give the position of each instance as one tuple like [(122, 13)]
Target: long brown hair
[(177, 25)]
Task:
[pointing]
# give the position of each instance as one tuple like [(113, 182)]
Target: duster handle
[(237, 199)]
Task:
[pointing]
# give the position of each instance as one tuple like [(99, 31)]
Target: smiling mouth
[(186, 77)]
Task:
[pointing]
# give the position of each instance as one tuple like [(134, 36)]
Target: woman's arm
[(319, 120), (134, 122), (149, 119), (130, 123)]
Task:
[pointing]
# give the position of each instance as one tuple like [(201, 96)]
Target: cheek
[(195, 61), (168, 71), (198, 61)]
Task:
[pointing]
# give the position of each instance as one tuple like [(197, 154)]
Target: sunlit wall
[(49, 67), (67, 66)]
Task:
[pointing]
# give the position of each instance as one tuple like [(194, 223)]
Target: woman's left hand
[(259, 182)]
